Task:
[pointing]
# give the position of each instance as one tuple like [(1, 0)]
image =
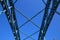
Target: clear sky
[(29, 8)]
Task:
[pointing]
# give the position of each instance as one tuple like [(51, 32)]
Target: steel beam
[(43, 28)]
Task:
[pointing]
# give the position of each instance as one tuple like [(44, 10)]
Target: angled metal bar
[(52, 12), (32, 18), (31, 35), (27, 19), (44, 17), (43, 2), (13, 16), (7, 13), (50, 17), (26, 35)]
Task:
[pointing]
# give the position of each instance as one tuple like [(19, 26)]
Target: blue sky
[(29, 8)]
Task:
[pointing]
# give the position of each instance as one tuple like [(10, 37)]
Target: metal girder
[(50, 17), (14, 20), (44, 17), (47, 20), (11, 18)]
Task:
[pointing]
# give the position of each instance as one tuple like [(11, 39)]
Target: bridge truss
[(47, 18)]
